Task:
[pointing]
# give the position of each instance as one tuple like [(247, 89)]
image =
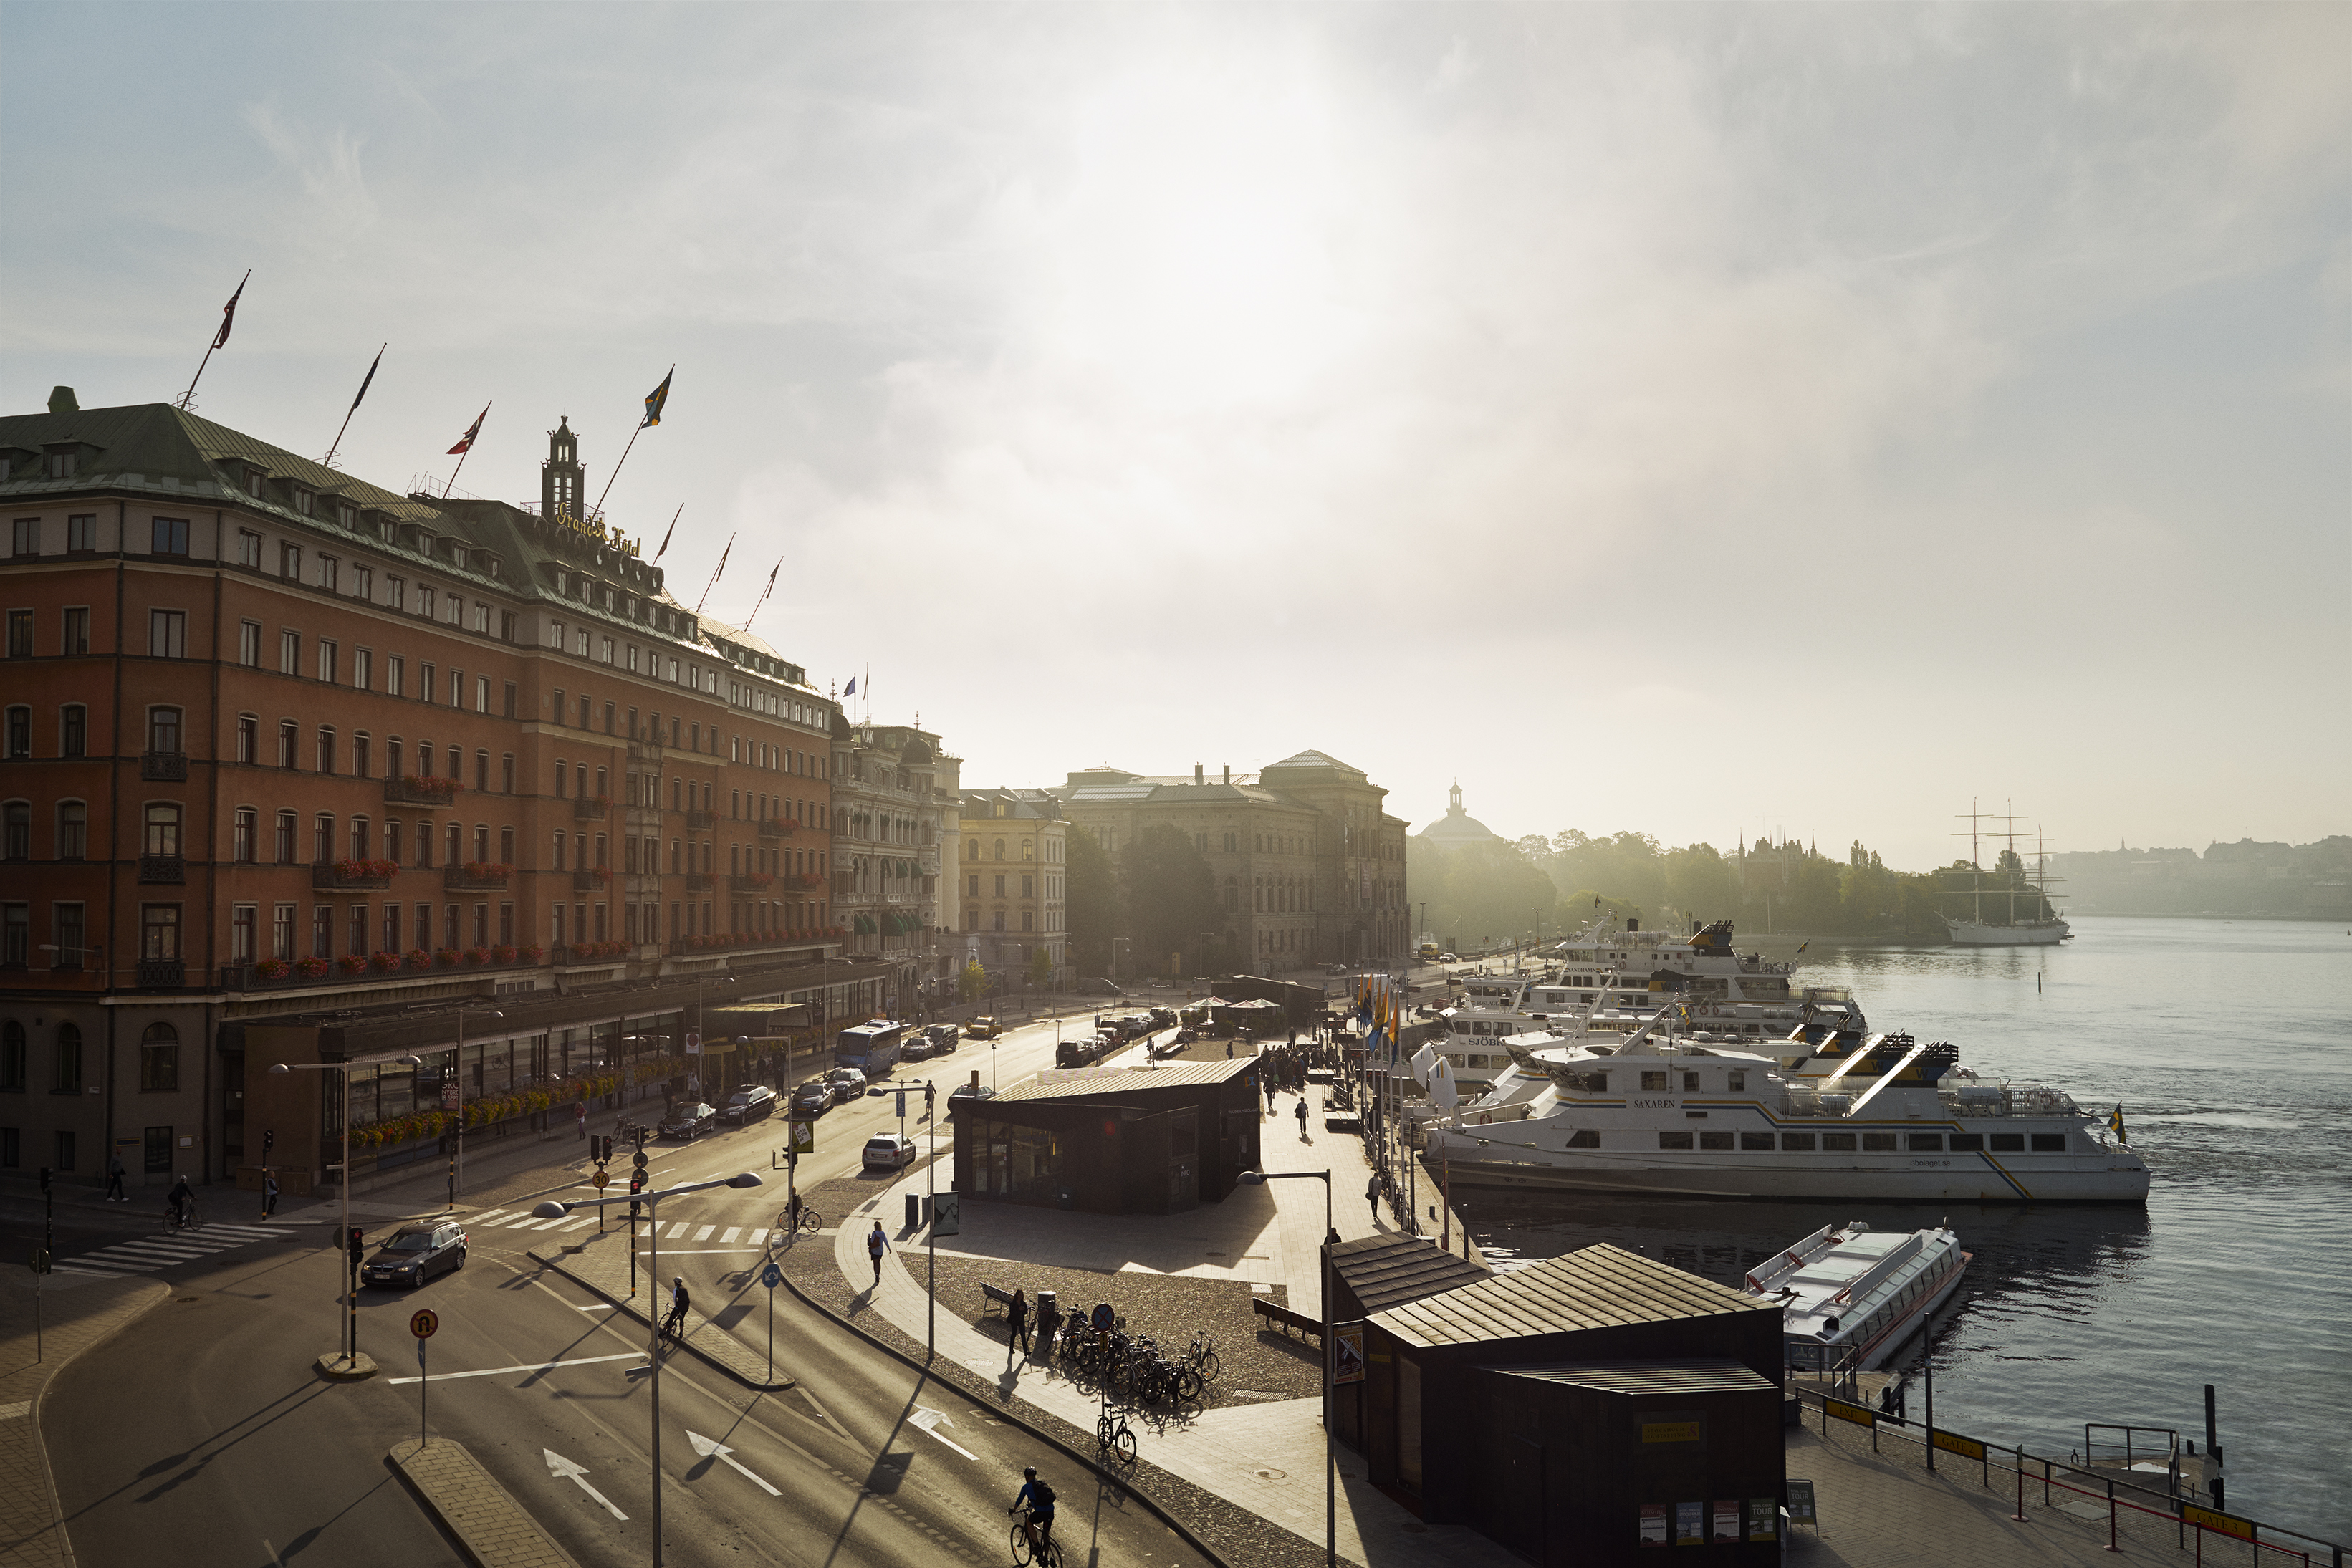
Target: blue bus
[(871, 1048)]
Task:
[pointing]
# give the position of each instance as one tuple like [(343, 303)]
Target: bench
[(997, 1297), (1286, 1319)]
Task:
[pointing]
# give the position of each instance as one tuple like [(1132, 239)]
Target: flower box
[(444, 958), (419, 790), (384, 963), (351, 964), (417, 958), (478, 955), (504, 953), (311, 968), (273, 968)]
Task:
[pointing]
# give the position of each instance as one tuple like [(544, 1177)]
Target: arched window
[(1233, 893), (159, 1060), (20, 732), (163, 730), (11, 1056), (1028, 849), (1000, 849), (67, 1077), (163, 828), (17, 836)]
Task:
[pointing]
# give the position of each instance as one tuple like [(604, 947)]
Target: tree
[(1090, 899), (973, 985), (1041, 968), (1170, 894)]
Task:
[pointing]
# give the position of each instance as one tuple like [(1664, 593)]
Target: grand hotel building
[(297, 766)]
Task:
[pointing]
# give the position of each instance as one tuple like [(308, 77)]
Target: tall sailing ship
[(2039, 927)]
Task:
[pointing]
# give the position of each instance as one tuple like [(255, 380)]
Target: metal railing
[(165, 869), (163, 766), (162, 973), (584, 810)]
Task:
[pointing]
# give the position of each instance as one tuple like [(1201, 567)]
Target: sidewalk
[(77, 1312), (1266, 1458)]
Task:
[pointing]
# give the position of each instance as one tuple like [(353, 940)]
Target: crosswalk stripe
[(516, 1223), (146, 1249), (97, 1271), (704, 1234), (489, 1214), (577, 1221), (732, 1232), (677, 1230)]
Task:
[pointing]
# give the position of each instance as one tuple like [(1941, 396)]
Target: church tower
[(1454, 802), (560, 476)]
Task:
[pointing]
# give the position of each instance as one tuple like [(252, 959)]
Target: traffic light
[(356, 1233), (637, 1186), (45, 1178), (268, 1141), (640, 1161), (606, 1157)]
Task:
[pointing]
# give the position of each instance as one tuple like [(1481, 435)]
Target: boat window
[(1673, 1140), (1584, 1138), (1837, 1143), (1791, 1142), (1755, 1140), (1878, 1143), (1926, 1142), (1690, 1083), (2009, 1143), (1653, 1081), (1967, 1143), (1738, 1083), (1715, 1140), (2049, 1142)]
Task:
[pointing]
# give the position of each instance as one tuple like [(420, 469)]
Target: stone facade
[(1012, 879), (888, 824)]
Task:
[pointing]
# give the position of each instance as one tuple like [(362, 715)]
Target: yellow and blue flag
[(2115, 1124), (656, 398)]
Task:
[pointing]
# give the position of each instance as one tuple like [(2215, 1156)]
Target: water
[(2229, 1047)]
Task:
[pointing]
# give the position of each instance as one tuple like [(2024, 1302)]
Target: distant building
[(887, 816), (1013, 879), (1457, 829)]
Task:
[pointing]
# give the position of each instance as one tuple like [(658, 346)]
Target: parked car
[(942, 1037), (889, 1152), (971, 1091), (915, 1047), (984, 1028), (847, 1082), (690, 1120), (415, 1254), (1448, 959), (748, 1104), (813, 1098)]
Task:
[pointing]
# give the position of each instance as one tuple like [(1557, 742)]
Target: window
[(395, 676), (326, 749), (2009, 1143), (364, 669), (27, 536), (66, 1074), (20, 732), (289, 653), (1653, 1081), (1673, 1140), (1926, 1143), (322, 931), (1715, 1140), (330, 572), (163, 729), (249, 828), (170, 537), (159, 931), (362, 583), (360, 755), (1967, 1143), (167, 634), (81, 532), (289, 736), (16, 934), (1690, 1083), (2049, 1142), (1794, 1143), (1878, 1143), (282, 846), (248, 548), (73, 830), (1837, 1143), (424, 682), (396, 592), (75, 638), (12, 1057), (163, 821), (281, 927), (159, 1060), (248, 645), (1755, 1140), (509, 708), (289, 563), (327, 654)]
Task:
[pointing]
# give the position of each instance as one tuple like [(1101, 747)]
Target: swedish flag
[(656, 398), (2115, 1124)]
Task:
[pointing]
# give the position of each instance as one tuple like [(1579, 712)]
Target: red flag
[(228, 312), (466, 442)]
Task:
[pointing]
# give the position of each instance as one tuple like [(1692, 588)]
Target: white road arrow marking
[(577, 1475), (926, 1419), (726, 1456)]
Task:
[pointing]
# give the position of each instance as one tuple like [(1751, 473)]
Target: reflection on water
[(2227, 1046)]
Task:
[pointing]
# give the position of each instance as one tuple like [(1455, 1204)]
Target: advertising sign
[(1653, 1524), (1690, 1524), (1726, 1520), (1763, 1519), (1801, 1504), (947, 1215), (1348, 1352), (801, 1136)]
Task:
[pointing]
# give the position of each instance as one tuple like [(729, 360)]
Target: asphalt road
[(204, 1435)]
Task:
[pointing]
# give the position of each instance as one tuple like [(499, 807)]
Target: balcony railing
[(777, 827), (585, 810), (162, 972), (163, 869), (420, 791), (595, 880), (698, 882), (163, 766), (750, 882), (700, 820), (645, 751), (333, 876), (474, 877)]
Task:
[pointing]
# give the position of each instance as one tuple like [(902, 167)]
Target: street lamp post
[(1330, 1453), (458, 1163), (351, 1305), (553, 1210)]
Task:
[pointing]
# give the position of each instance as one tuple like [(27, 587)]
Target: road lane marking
[(575, 1224), (597, 1307), (677, 1230), (732, 1232), (577, 1474), (527, 1366), (694, 1251), (926, 1419), (726, 1456), (704, 1234)]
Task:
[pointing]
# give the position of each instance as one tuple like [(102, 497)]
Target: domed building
[(1457, 827)]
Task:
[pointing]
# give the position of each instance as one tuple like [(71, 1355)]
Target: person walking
[(268, 1193), (114, 1193), (1018, 1312), (877, 1244), (1303, 1136), (1372, 1195)]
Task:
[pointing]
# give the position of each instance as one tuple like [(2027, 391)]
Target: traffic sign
[(803, 1137), (772, 1276), (694, 1042), (600, 1178), (41, 1261), (424, 1323)]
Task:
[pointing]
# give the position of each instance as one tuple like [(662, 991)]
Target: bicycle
[(811, 1222), (172, 1220), (673, 1331), (1114, 1440), (1046, 1553)]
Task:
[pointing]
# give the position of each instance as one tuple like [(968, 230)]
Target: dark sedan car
[(813, 1098), (847, 1083), (973, 1091), (690, 1120), (415, 1254), (746, 1105)]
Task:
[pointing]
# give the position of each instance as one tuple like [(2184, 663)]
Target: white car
[(889, 1152)]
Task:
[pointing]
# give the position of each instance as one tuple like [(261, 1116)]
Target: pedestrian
[(1018, 1312), (580, 1114), (877, 1244), (1303, 1136), (1373, 1193), (1229, 1051), (268, 1193), (114, 1193)]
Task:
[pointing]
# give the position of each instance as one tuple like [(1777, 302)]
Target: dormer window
[(306, 501), (346, 515), (64, 463), (256, 481)]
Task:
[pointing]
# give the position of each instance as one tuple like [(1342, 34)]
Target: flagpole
[(714, 575), (337, 445), (214, 344), (598, 510), (464, 455)]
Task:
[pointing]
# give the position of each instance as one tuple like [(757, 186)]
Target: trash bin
[(914, 1211)]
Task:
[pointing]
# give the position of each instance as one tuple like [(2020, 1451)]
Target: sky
[(1704, 420)]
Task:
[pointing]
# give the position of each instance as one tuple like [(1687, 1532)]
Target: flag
[(1805, 944), (656, 398), (2115, 1124), (228, 313), (850, 690), (465, 441), (368, 380), (668, 531), (1424, 1061), (722, 559), (1440, 1086)]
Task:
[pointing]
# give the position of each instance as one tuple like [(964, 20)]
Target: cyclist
[(674, 1325), (1038, 1498), (181, 1200)]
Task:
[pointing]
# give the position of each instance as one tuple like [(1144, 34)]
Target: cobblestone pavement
[(75, 1316), (488, 1523)]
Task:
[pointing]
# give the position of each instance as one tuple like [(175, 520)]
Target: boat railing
[(2022, 1100)]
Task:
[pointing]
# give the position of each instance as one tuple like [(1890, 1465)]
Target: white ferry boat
[(1628, 976), (1827, 1112), (1848, 1298)]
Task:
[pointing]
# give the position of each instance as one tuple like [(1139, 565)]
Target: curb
[(491, 1527), (355, 1369), (162, 1294), (709, 1356), (1006, 1412)]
